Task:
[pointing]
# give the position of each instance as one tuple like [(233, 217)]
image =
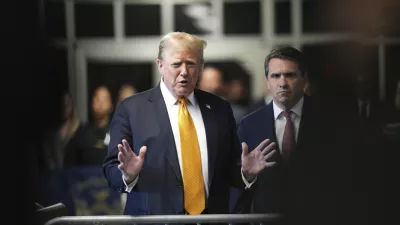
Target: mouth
[(183, 82), (284, 92)]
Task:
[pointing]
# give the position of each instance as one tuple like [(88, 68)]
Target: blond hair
[(181, 41)]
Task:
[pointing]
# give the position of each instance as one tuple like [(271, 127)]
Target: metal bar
[(119, 21), (165, 219), (296, 10)]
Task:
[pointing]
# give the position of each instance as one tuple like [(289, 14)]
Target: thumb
[(142, 151), (245, 149)]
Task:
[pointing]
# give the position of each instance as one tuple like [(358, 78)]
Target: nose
[(183, 70), (283, 82)]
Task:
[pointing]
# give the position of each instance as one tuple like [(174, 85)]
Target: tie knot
[(286, 114), (182, 100)]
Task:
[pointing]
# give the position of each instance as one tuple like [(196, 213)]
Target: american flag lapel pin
[(208, 106)]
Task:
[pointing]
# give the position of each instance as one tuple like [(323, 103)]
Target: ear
[(305, 76), (160, 66)]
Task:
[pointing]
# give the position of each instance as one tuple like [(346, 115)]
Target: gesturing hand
[(130, 164), (255, 161)]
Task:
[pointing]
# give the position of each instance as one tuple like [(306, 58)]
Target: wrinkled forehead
[(277, 65)]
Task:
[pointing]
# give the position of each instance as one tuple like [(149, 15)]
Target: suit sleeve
[(119, 129), (236, 153)]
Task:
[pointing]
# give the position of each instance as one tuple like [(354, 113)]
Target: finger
[(260, 147), (121, 149), (121, 157), (127, 148), (142, 151), (121, 167), (126, 145), (269, 155), (245, 149), (270, 164), (268, 148)]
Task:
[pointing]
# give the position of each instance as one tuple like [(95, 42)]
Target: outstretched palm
[(130, 163), (255, 161)]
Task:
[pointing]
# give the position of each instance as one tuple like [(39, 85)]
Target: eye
[(275, 75)]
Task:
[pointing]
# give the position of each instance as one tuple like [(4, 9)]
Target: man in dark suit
[(174, 148), (304, 184)]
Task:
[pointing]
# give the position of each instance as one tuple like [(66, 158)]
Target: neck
[(102, 122), (284, 107), (287, 106)]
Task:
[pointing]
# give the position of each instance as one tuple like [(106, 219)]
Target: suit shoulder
[(141, 96), (212, 98), (262, 112)]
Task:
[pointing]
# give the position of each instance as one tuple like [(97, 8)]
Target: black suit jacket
[(143, 120), (313, 184)]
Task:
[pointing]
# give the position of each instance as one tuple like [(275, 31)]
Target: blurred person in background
[(126, 90), (94, 137), (211, 80), (235, 93), (59, 143)]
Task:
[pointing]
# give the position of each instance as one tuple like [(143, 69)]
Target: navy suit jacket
[(143, 119), (309, 182)]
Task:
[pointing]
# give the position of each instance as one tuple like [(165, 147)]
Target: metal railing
[(166, 219)]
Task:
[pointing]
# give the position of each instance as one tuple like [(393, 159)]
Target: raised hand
[(255, 161), (130, 164)]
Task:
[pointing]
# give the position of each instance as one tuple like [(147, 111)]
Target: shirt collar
[(297, 109), (171, 99)]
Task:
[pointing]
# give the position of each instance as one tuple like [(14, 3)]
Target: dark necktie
[(289, 141)]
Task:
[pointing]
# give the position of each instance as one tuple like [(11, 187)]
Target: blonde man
[(174, 148)]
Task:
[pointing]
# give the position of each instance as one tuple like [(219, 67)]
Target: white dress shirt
[(280, 120)]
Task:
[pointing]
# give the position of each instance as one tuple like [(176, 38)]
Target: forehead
[(102, 93), (282, 66)]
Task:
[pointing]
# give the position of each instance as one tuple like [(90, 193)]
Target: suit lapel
[(166, 134), (211, 133)]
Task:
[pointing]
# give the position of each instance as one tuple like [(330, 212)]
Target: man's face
[(211, 80), (180, 71), (102, 102), (285, 82)]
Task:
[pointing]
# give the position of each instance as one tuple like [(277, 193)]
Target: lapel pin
[(208, 106)]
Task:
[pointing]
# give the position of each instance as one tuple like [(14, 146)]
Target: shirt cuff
[(131, 185), (246, 182)]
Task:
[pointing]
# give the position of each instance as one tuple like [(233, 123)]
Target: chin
[(184, 92)]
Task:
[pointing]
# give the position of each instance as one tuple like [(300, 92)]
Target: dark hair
[(287, 53)]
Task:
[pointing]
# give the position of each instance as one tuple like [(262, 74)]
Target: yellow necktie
[(194, 196)]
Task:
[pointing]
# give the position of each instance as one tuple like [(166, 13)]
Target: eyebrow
[(189, 61), (287, 73)]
